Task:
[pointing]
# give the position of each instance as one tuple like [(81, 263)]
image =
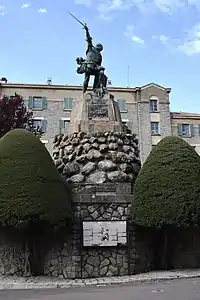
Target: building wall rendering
[(145, 110)]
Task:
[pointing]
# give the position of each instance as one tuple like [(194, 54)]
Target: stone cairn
[(97, 157)]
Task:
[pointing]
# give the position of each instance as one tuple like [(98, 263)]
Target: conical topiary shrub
[(32, 194), (167, 189)]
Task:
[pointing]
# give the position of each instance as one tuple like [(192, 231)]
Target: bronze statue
[(91, 65)]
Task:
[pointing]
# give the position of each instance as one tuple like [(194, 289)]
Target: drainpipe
[(138, 96)]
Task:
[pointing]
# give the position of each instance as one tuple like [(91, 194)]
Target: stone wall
[(70, 259), (185, 248), (97, 158), (13, 254)]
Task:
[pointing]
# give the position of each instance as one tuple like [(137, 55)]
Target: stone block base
[(93, 114)]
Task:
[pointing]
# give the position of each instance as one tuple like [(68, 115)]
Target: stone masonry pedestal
[(92, 113), (100, 161)]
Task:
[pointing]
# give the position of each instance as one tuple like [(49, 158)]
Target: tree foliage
[(167, 189), (14, 114), (31, 189)]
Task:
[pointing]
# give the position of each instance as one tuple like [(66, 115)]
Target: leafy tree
[(14, 114), (32, 195), (167, 189)]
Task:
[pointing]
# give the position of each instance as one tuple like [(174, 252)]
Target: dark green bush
[(31, 189), (167, 189)]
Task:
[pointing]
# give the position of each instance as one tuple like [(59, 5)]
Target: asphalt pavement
[(181, 289)]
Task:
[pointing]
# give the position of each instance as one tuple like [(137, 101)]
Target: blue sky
[(158, 39)]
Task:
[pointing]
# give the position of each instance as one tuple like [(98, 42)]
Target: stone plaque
[(97, 111), (104, 233)]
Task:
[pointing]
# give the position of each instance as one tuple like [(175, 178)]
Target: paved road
[(176, 289)]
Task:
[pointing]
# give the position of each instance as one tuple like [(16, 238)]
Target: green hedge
[(167, 189), (30, 186)]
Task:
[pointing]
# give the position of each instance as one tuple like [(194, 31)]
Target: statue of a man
[(91, 65)]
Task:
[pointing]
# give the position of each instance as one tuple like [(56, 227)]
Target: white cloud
[(191, 44), (137, 39), (105, 7), (129, 32), (25, 5), (169, 6), (194, 3), (162, 38), (42, 10), (2, 10)]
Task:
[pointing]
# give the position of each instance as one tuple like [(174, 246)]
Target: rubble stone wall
[(13, 254), (94, 203), (97, 158)]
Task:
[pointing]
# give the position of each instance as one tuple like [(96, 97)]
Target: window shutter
[(44, 125), (180, 129), (68, 103), (129, 125), (192, 132), (30, 102), (62, 125), (122, 104), (44, 102)]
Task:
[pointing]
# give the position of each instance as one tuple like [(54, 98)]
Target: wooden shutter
[(68, 103), (129, 125), (122, 104), (44, 125), (44, 102), (30, 102), (62, 125), (192, 131), (180, 129)]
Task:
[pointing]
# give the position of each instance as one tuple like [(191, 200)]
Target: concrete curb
[(7, 283)]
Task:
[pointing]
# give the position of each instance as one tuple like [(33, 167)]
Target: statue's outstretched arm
[(88, 36)]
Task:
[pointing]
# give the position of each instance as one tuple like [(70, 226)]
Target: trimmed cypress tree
[(167, 189), (167, 195), (32, 195)]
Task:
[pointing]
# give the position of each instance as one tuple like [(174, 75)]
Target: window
[(40, 124), (37, 103), (153, 105), (154, 128), (68, 103), (186, 130), (64, 123), (37, 123), (128, 124), (122, 105)]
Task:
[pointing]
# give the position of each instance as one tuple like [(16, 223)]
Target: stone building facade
[(145, 110), (187, 125)]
